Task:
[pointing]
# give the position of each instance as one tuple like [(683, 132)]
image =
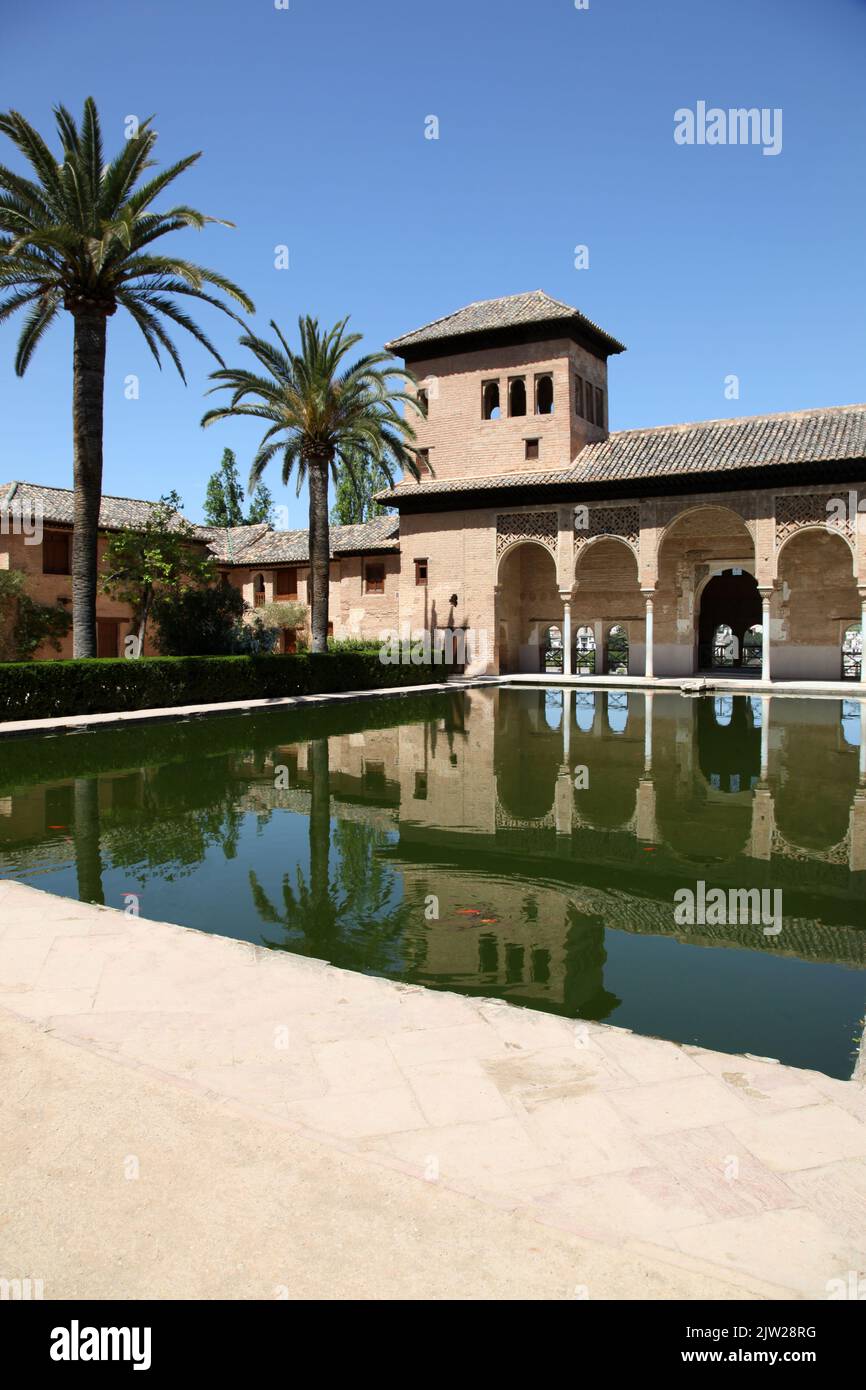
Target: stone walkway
[(734, 1169)]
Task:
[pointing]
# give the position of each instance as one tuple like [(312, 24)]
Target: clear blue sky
[(556, 128)]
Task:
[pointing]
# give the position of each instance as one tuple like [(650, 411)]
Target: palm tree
[(76, 236), (321, 414)]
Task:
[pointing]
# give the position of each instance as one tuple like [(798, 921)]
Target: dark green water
[(529, 844)]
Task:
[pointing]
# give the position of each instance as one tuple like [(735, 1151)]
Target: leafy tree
[(354, 493), (25, 624), (78, 236), (161, 559), (224, 501), (261, 506), (199, 622), (320, 413)]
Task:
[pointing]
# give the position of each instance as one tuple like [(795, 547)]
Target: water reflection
[(522, 843)]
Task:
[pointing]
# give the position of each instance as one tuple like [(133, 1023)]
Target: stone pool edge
[(684, 685), (99, 951)]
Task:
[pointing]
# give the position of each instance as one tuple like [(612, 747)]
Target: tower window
[(588, 402), (531, 451), (544, 395), (424, 398), (599, 406), (490, 400), (578, 395), (423, 457), (517, 396), (420, 571)]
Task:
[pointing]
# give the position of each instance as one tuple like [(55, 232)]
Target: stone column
[(566, 632), (765, 736), (765, 633), (862, 593), (648, 639)]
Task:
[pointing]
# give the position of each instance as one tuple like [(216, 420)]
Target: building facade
[(543, 542)]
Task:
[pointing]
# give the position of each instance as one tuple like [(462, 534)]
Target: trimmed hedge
[(52, 689)]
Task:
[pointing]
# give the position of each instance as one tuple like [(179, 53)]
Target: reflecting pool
[(689, 868)]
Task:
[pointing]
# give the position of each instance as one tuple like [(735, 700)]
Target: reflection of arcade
[(710, 786)]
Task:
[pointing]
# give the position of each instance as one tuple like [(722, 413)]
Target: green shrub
[(51, 689), (198, 622)]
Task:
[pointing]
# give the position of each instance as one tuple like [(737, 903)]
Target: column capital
[(766, 590), (566, 595), (649, 593)]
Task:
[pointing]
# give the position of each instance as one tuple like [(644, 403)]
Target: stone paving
[(721, 1164)]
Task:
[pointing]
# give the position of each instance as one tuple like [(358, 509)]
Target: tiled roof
[(238, 545), (709, 446), (54, 504), (231, 542), (512, 311), (292, 547)]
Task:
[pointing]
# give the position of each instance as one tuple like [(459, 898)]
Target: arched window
[(517, 396), (723, 709), (584, 650), (544, 395), (852, 653), (490, 400), (552, 649), (617, 651), (753, 645), (725, 646)]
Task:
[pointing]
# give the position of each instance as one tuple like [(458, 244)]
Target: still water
[(564, 850)]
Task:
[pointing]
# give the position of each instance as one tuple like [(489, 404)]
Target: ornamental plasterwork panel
[(526, 526), (623, 523), (798, 510)]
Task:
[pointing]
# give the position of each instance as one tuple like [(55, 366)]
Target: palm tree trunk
[(320, 550), (88, 384)]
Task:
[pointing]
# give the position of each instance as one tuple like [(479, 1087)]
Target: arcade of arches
[(667, 591)]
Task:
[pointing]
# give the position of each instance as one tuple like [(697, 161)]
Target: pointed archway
[(729, 600)]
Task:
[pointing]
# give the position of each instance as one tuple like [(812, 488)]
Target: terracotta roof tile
[(709, 446), (512, 311)]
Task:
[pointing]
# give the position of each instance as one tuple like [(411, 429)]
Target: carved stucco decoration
[(801, 510), (542, 527), (620, 523)]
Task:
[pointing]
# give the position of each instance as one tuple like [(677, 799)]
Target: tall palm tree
[(76, 236), (321, 413)]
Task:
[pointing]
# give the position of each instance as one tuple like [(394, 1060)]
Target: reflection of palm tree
[(88, 861), (349, 920)]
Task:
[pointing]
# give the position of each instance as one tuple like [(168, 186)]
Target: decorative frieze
[(620, 523), (797, 511), (526, 526)]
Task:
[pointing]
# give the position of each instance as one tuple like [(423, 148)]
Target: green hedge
[(52, 689)]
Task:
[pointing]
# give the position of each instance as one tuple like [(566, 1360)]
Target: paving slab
[(747, 1175)]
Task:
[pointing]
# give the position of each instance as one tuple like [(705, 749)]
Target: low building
[(548, 543)]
